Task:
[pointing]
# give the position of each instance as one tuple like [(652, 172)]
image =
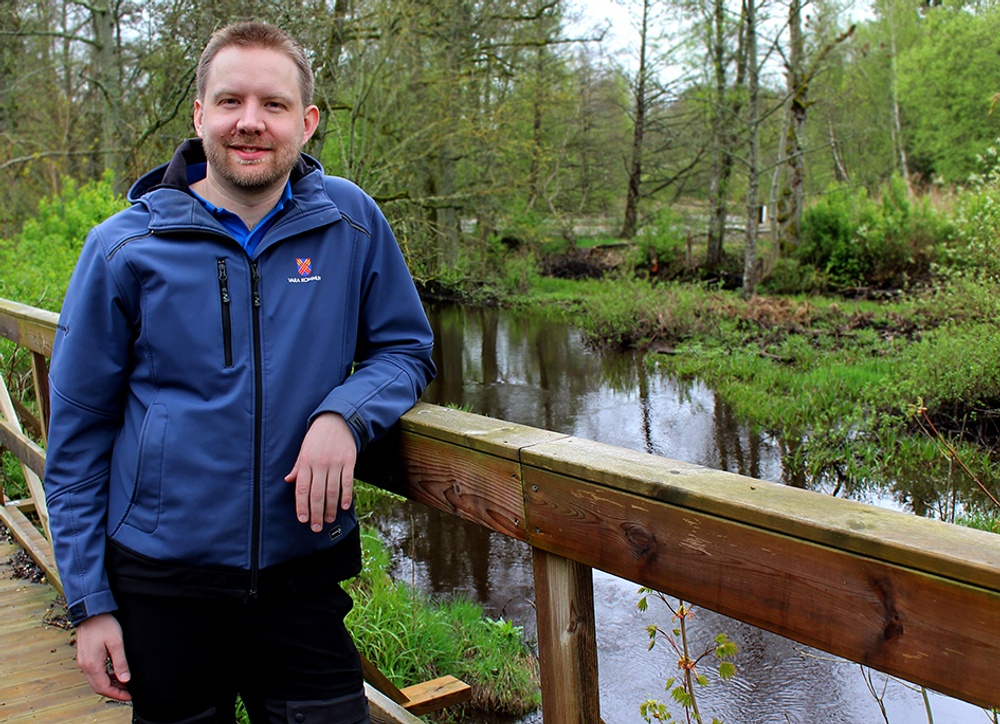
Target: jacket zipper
[(257, 445), (227, 318)]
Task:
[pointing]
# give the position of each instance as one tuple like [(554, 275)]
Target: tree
[(753, 153), (800, 72), (945, 84), (725, 103)]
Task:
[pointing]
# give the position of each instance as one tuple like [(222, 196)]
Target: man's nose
[(251, 120)]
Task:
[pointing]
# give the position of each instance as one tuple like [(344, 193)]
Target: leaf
[(727, 671), (701, 679)]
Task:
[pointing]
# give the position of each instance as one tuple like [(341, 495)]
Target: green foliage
[(858, 241), (791, 276), (15, 487), (989, 523), (977, 218), (684, 691), (413, 639), (661, 241), (946, 79), (38, 264), (954, 370)]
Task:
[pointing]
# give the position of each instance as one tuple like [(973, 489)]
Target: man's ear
[(310, 122), (198, 117)]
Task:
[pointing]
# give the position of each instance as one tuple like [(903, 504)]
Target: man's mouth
[(249, 153)]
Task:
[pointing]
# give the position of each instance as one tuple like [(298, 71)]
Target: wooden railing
[(915, 598)]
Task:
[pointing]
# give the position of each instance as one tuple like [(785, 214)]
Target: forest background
[(797, 201)]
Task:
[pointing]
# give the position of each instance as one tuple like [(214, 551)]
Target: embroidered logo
[(304, 268)]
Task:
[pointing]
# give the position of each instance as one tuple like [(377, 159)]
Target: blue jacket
[(185, 374)]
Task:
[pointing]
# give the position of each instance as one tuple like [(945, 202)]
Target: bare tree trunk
[(326, 78), (839, 167), (536, 130), (753, 177), (897, 124), (108, 76), (800, 74), (635, 169), (725, 113), (721, 164)]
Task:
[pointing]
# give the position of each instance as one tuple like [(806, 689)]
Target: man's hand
[(98, 639), (323, 474)]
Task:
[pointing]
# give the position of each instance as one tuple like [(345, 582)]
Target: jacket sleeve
[(87, 380), (392, 362)]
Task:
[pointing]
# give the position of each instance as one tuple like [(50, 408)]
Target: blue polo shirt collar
[(248, 238)]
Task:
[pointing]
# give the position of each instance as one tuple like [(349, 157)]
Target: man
[(226, 346)]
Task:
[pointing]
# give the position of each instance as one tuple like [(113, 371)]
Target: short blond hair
[(253, 34)]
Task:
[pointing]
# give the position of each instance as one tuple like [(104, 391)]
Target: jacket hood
[(174, 174)]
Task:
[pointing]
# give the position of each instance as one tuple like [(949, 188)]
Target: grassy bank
[(412, 638), (867, 390)]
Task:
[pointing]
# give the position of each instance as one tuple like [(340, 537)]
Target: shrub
[(860, 242), (39, 262), (790, 276), (977, 219), (661, 242)]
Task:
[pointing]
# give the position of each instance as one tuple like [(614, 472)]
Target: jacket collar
[(165, 193)]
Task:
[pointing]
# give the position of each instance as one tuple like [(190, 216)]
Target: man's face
[(252, 120)]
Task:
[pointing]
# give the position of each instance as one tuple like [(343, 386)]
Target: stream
[(526, 369)]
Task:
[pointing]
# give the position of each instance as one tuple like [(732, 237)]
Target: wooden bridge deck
[(39, 680)]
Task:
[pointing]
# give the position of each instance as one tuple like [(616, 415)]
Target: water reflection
[(521, 368), (539, 373)]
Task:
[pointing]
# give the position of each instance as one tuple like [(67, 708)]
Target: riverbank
[(872, 388)]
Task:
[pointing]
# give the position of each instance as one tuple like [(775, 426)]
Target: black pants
[(288, 656)]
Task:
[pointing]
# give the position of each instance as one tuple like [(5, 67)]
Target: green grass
[(412, 638)]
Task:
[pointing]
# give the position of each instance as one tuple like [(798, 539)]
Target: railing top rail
[(930, 546), (28, 326)]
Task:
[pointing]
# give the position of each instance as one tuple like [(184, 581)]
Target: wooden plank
[(374, 676), (384, 710), (968, 555), (436, 694), (567, 642), (33, 542), (28, 326), (39, 680), (474, 432), (920, 627), (471, 484), (34, 481), (24, 448)]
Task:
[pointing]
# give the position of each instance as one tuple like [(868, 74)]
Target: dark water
[(531, 371)]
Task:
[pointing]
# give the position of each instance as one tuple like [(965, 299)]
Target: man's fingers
[(303, 486), (346, 489), (333, 493), (119, 665), (317, 502), (100, 654)]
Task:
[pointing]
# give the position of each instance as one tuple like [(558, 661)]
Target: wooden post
[(40, 378), (567, 642)]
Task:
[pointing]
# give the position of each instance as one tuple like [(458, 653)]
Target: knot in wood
[(641, 540)]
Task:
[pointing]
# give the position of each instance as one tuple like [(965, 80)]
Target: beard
[(253, 175)]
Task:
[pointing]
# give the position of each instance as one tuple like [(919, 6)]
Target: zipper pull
[(223, 281), (256, 284)]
